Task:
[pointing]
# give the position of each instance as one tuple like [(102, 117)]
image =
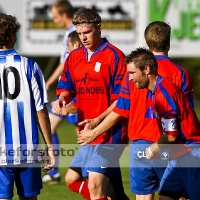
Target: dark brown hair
[(74, 37), (142, 57), (8, 26)]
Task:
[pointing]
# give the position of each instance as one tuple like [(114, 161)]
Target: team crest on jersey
[(97, 67)]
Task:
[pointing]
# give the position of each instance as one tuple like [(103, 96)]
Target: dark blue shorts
[(145, 175), (101, 158), (182, 175), (27, 178)]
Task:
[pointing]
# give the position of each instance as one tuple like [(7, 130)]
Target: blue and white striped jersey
[(22, 93)]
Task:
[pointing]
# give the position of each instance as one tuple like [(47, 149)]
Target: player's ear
[(99, 26), (77, 44), (147, 69)]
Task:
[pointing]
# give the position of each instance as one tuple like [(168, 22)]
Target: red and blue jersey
[(136, 105), (178, 75), (96, 84), (175, 114)]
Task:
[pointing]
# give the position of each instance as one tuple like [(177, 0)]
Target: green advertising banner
[(184, 18)]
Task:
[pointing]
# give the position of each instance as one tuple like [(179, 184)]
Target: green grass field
[(51, 192)]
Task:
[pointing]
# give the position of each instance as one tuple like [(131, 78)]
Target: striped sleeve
[(123, 104), (39, 92), (187, 87), (66, 82), (167, 109), (118, 69)]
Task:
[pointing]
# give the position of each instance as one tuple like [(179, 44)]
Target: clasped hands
[(60, 107), (87, 135)]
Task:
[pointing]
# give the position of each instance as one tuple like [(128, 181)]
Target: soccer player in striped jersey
[(179, 125), (93, 73), (62, 12), (23, 99), (142, 127)]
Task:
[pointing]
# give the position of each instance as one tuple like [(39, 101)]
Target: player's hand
[(69, 108), (58, 105), (148, 155), (151, 155), (49, 159), (90, 123), (86, 136)]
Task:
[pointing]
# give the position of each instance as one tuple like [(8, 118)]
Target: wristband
[(150, 152)]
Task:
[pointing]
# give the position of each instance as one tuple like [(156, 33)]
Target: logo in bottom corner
[(165, 156)]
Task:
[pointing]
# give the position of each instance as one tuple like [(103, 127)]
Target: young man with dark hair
[(23, 108), (179, 125), (93, 74)]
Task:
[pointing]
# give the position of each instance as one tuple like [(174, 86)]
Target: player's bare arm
[(88, 135), (54, 77), (92, 123), (45, 129)]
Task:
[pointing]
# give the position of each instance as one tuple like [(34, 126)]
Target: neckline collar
[(8, 51), (101, 47), (161, 57), (158, 80)]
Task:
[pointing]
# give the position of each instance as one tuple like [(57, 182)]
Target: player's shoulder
[(75, 56), (167, 86), (77, 52), (177, 68), (115, 50), (26, 61)]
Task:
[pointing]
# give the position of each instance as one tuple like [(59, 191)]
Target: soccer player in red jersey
[(179, 125), (135, 105), (93, 73)]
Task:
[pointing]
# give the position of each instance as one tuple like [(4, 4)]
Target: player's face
[(89, 35), (58, 18), (71, 46), (140, 78)]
